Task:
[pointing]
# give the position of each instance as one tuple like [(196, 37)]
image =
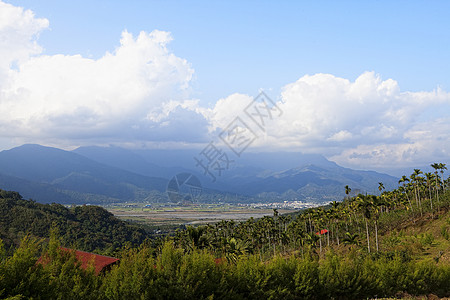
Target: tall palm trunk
[(409, 200), (417, 195), (376, 233), (328, 236), (431, 197), (337, 233), (410, 205), (437, 188), (367, 234)]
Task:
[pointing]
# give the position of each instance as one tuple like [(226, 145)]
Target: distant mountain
[(43, 192), (106, 174), (74, 174), (128, 160), (255, 161), (282, 160), (314, 182), (248, 168)]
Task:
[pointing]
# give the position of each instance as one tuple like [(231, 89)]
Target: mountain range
[(111, 174)]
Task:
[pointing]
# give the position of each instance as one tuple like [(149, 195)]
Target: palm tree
[(336, 213), (347, 216), (447, 183), (415, 180), (404, 180), (235, 249), (430, 177), (351, 239), (319, 221), (353, 206), (365, 205), (310, 211), (377, 204), (311, 240), (275, 213), (442, 167), (436, 167), (197, 236), (347, 190), (389, 199)]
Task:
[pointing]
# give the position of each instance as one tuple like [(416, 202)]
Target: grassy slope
[(426, 237)]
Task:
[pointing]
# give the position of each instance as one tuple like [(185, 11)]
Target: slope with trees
[(83, 227)]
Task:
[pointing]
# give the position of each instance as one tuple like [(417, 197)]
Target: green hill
[(82, 227)]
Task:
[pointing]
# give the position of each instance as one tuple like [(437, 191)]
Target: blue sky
[(300, 53), (240, 46)]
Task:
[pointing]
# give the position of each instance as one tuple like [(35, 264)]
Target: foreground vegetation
[(173, 274), (364, 247)]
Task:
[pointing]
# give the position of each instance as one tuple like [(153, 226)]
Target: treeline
[(85, 228), (172, 273)]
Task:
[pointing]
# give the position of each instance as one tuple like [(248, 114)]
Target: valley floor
[(188, 215)]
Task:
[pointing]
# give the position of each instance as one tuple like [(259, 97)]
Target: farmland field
[(187, 215)]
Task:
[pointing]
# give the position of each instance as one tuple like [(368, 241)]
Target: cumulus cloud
[(73, 97), (19, 30), (177, 121), (226, 109), (369, 122)]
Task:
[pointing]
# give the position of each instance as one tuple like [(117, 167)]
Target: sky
[(366, 84)]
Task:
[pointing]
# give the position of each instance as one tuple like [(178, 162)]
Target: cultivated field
[(187, 215)]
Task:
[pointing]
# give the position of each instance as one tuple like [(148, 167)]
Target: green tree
[(365, 206), (351, 239), (347, 191)]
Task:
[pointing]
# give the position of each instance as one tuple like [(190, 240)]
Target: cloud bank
[(73, 97), (368, 122), (140, 94)]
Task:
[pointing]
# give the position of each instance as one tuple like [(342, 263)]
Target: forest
[(86, 227), (394, 244)]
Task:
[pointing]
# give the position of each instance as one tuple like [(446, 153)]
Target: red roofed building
[(101, 263)]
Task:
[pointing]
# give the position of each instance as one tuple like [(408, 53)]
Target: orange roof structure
[(100, 262)]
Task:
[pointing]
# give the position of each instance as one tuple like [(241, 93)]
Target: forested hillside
[(82, 227)]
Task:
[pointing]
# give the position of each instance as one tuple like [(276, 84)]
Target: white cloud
[(341, 136), (73, 97), (18, 32), (365, 123), (368, 122), (226, 109), (177, 121), (18, 29)]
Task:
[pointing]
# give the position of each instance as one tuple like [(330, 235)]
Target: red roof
[(100, 262)]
